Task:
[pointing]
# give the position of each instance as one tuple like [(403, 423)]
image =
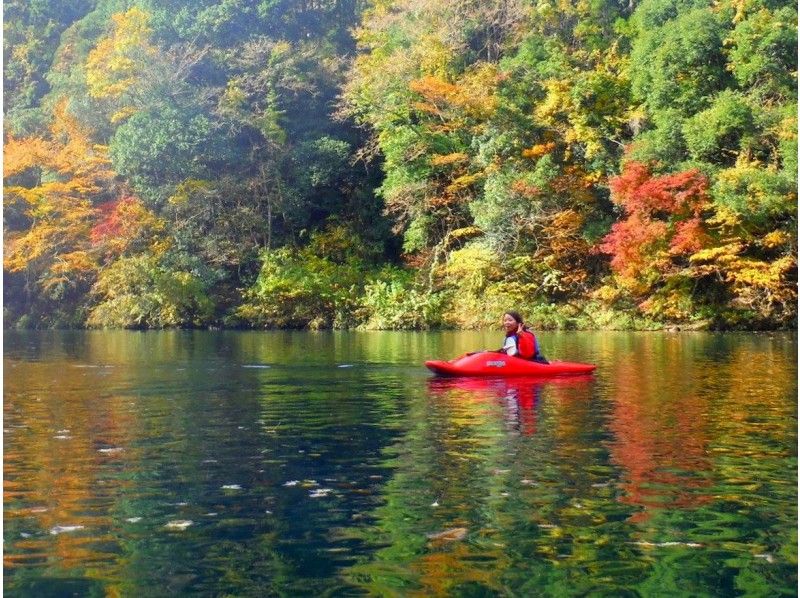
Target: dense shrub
[(144, 292), (393, 300)]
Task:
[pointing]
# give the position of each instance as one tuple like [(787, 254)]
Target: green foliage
[(759, 196), (158, 150), (394, 300), (314, 287), (715, 134), (764, 50), (680, 64), (146, 292), (31, 35)]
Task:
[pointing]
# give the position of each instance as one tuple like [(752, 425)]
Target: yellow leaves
[(234, 98), (479, 85), (556, 100), (787, 128), (59, 224), (123, 114), (54, 245), (188, 189), (20, 155), (70, 165), (742, 8), (722, 255), (724, 217), (472, 267), (758, 273), (775, 239), (76, 261), (766, 287), (73, 152), (539, 150), (463, 182), (608, 294), (471, 97), (447, 159), (560, 111), (434, 56), (112, 67), (131, 28), (466, 233)]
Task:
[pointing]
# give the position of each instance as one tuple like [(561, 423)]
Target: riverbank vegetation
[(400, 164)]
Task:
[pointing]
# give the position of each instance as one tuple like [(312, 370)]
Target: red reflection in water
[(661, 440), (520, 393)]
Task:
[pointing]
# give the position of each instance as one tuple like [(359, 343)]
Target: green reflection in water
[(295, 463)]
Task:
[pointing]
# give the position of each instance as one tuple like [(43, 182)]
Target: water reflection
[(290, 463), (518, 396)]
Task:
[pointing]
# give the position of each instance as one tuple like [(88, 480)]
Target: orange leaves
[(448, 159), (690, 236), (436, 93), (524, 189), (564, 247), (630, 241), (61, 227), (75, 156), (539, 150), (574, 182), (472, 97), (53, 210), (20, 155)]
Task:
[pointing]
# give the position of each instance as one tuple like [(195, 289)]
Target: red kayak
[(488, 363)]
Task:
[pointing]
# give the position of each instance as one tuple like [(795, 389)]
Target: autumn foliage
[(50, 185), (570, 158), (662, 219)]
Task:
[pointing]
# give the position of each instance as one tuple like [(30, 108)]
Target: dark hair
[(515, 315)]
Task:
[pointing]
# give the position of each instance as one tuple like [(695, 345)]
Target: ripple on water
[(656, 475)]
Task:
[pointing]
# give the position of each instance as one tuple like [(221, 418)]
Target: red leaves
[(108, 221), (662, 218), (122, 223), (630, 241), (637, 191), (690, 236)]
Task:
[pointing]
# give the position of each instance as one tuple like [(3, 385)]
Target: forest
[(400, 164)]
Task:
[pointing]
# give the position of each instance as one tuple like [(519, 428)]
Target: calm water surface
[(261, 463)]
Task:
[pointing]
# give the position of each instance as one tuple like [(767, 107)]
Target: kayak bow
[(489, 363)]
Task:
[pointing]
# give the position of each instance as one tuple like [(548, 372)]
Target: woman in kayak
[(520, 341)]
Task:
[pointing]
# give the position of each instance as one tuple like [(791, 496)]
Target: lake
[(334, 464)]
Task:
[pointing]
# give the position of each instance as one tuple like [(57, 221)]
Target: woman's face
[(509, 323)]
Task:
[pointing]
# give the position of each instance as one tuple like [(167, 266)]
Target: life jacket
[(527, 346)]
